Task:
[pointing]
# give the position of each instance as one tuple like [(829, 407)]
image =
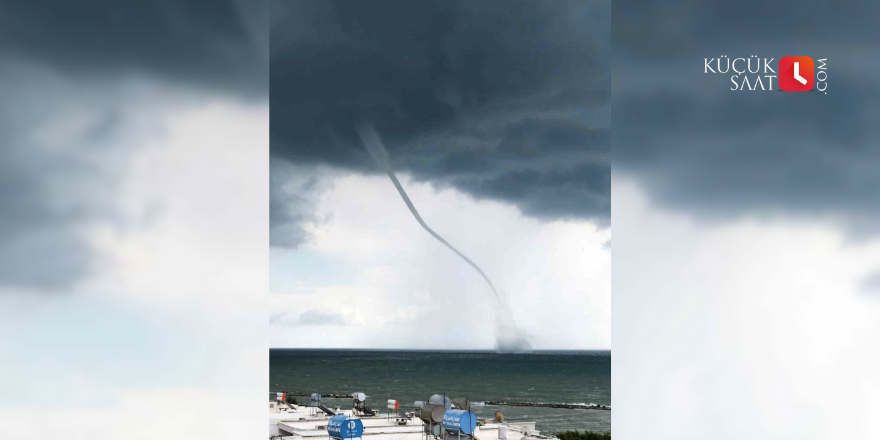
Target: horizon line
[(437, 349)]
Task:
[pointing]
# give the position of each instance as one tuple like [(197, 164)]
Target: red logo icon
[(796, 74)]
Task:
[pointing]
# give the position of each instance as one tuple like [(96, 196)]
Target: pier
[(550, 405)]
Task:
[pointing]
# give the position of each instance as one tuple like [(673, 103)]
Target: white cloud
[(403, 289), (746, 329), (167, 337), (203, 190)]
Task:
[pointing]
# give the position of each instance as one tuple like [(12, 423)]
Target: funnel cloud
[(509, 339), (374, 145), (507, 107)]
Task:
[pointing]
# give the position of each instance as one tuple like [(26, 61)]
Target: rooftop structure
[(300, 422)]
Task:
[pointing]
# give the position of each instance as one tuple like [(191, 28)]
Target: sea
[(407, 376)]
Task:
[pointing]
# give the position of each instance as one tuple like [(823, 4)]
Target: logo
[(796, 74)]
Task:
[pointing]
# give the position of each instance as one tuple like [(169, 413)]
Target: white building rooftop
[(301, 422)]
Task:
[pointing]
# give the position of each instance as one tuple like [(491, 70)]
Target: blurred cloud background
[(747, 251), (133, 186), (133, 191)]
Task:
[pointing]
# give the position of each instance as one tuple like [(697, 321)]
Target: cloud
[(56, 177), (133, 153), (376, 267), (507, 102), (83, 86), (720, 154), (871, 283), (581, 192), (747, 318), (222, 47), (308, 318), (170, 313), (294, 192)]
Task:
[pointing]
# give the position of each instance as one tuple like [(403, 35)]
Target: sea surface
[(407, 376)]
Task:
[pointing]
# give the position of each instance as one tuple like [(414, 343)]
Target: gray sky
[(124, 305), (61, 157), (747, 248), (372, 277), (497, 118), (717, 154)]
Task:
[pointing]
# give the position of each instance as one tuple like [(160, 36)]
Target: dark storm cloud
[(293, 193), (719, 153), (580, 192), (63, 112), (220, 45), (288, 211), (505, 100), (40, 246), (48, 189), (285, 228)]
